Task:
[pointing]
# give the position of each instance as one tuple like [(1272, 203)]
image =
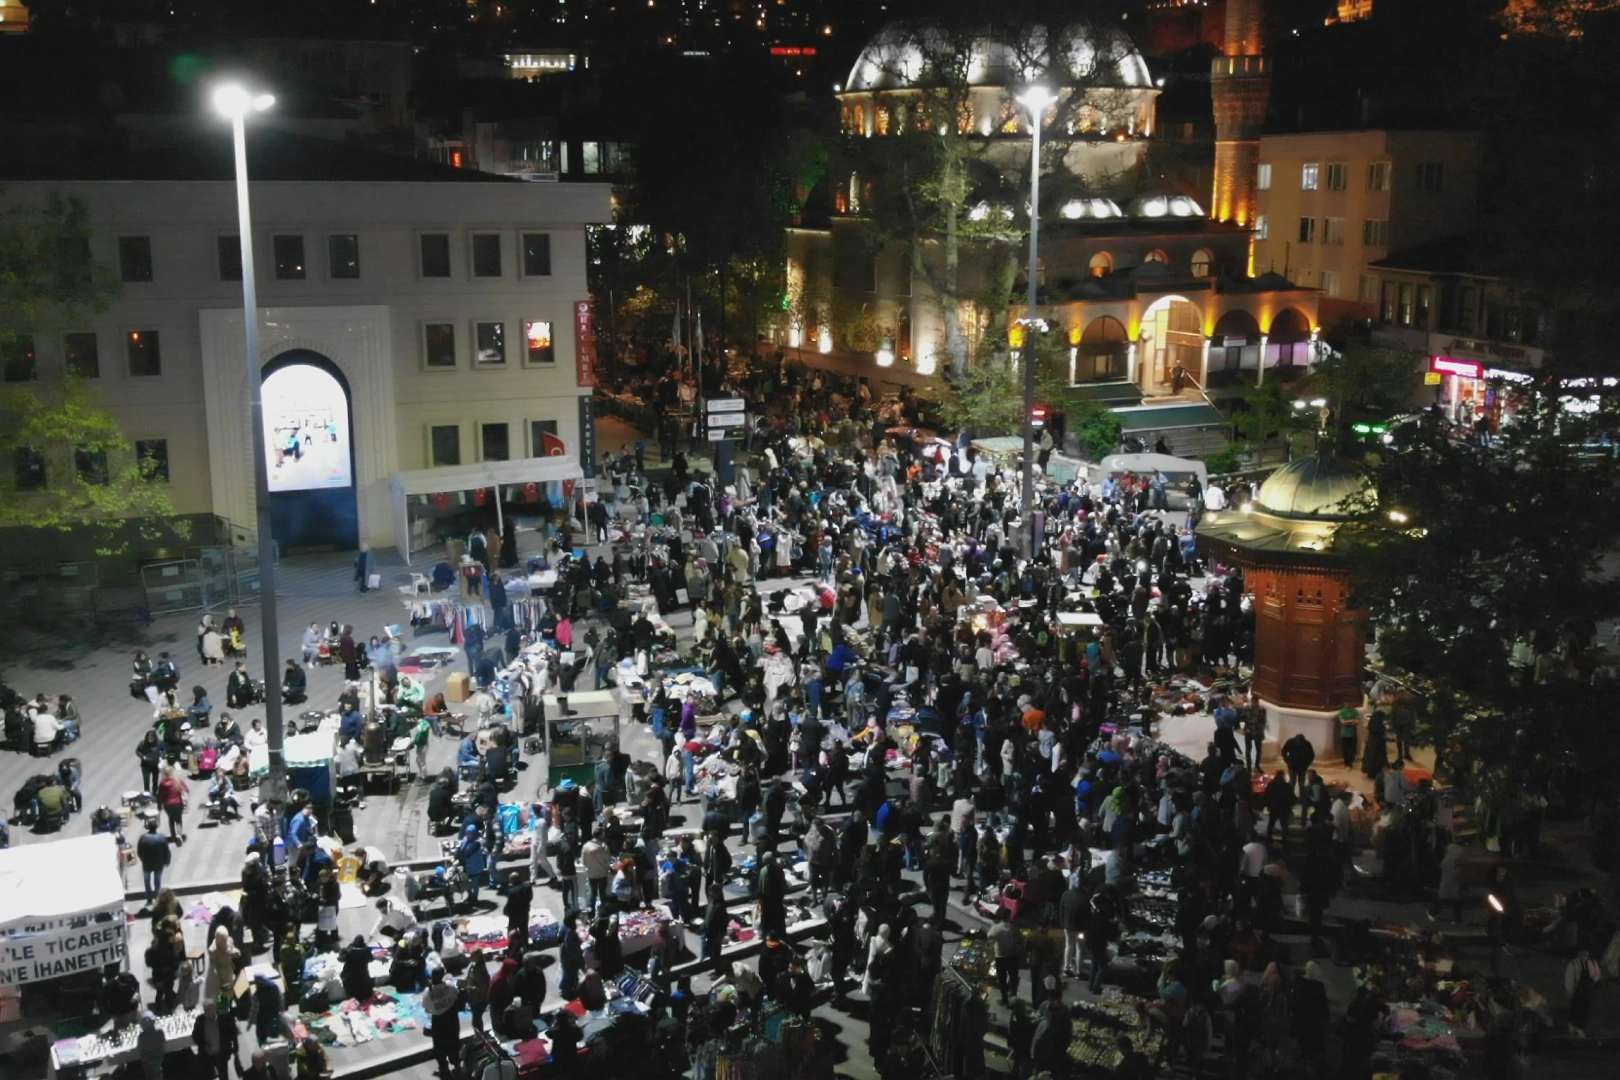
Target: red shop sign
[(585, 343), (1468, 369)]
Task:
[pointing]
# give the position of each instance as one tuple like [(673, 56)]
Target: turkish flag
[(552, 446), (568, 490)]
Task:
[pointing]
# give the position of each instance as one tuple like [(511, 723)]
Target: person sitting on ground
[(294, 684)]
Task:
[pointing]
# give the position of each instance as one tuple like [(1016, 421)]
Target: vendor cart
[(581, 729)]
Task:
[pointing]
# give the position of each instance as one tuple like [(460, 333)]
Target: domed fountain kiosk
[(1310, 645)]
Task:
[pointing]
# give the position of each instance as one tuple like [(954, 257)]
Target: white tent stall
[(483, 474), (61, 908)]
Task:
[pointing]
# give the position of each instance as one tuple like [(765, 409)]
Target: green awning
[(1164, 417), (1109, 393)]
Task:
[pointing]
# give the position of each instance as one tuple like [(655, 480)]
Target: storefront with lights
[(1471, 392)]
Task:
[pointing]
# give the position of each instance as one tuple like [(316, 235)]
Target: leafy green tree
[(1362, 384), (65, 463), (1482, 572), (1266, 411)]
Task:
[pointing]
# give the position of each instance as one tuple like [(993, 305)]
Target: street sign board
[(725, 405)]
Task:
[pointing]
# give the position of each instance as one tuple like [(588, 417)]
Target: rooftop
[(272, 156)]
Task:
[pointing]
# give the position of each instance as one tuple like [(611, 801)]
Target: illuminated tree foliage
[(64, 462), (1482, 571)]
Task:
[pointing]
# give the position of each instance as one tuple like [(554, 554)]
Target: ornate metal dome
[(902, 55), (1311, 489)]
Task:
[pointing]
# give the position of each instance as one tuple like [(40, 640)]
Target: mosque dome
[(1076, 55), (1089, 207), (1167, 203), (1313, 488)]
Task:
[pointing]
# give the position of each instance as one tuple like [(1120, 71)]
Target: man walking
[(153, 851)]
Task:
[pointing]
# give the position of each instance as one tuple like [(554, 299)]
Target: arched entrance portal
[(309, 453), (1172, 337)]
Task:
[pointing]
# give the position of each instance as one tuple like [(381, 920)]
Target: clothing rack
[(527, 613), (949, 1028), (451, 615)]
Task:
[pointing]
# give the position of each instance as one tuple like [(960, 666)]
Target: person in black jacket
[(519, 899), (214, 1035), (294, 684), (357, 983), (716, 919)]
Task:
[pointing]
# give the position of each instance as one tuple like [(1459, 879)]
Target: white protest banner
[(63, 947)]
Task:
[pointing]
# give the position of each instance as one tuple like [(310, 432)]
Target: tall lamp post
[(1037, 99), (236, 103)]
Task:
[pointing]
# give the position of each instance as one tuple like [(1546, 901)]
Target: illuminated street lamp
[(236, 103), (1037, 99)]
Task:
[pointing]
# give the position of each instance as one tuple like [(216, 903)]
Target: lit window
[(1157, 256), (538, 341), (1202, 259), (1263, 178), (1308, 175), (1262, 226), (1101, 263)]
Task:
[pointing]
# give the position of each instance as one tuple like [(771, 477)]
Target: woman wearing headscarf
[(222, 958), (357, 982), (442, 1003)]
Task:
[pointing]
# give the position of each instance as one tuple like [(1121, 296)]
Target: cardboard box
[(458, 686)]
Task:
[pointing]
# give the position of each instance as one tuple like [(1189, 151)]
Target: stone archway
[(1172, 336)]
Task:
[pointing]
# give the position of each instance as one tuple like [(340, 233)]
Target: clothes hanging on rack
[(957, 1025)]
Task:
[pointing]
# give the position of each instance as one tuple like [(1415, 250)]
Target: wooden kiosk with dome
[(1310, 644)]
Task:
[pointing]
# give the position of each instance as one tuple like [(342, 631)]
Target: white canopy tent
[(484, 474), (61, 908)]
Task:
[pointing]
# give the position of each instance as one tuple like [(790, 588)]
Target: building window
[(152, 456), (28, 469), (1333, 230), (1262, 226), (1421, 315), (1374, 233), (343, 256), (1404, 314), (1368, 289), (81, 355), (1309, 177), (536, 254), (538, 430), (1307, 230), (435, 255), (135, 258), (1386, 302), (486, 255), (1157, 256), (489, 340), (145, 357), (289, 257), (1101, 263), (1378, 176), (1431, 176), (1201, 261), (444, 445), (539, 343), (18, 363), (439, 345), (1330, 282), (494, 442), (1468, 308), (1263, 177), (1336, 173), (228, 251), (90, 464)]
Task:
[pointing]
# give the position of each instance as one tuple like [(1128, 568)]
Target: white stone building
[(442, 301)]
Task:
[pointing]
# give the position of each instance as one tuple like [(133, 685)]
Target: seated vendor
[(411, 694), (372, 876), (437, 710)]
